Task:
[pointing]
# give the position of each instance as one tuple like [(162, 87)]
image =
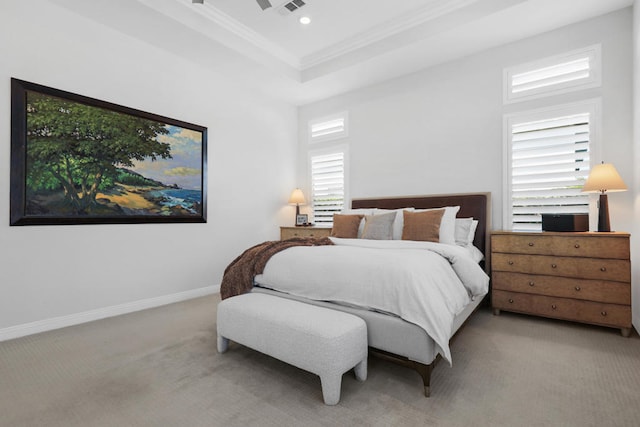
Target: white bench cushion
[(319, 340)]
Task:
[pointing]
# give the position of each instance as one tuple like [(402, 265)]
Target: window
[(329, 128), (328, 166), (328, 174), (578, 69), (549, 153)]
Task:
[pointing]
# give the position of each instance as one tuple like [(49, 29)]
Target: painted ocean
[(179, 197)]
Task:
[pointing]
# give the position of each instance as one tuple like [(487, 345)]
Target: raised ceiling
[(349, 43), (337, 26)]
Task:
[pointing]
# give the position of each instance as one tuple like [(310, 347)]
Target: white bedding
[(422, 282)]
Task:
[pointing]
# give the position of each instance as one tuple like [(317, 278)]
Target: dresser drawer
[(593, 246), (564, 308), (292, 232), (593, 290), (581, 268)]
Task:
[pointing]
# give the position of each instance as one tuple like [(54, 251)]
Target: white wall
[(48, 272), (441, 130)]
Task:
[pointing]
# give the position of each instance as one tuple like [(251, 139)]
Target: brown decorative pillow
[(346, 226), (422, 226)]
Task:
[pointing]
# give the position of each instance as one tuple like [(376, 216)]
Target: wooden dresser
[(583, 277), (291, 232)]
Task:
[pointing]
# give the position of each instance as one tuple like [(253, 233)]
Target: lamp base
[(603, 214)]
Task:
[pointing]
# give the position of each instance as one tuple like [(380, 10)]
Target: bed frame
[(389, 336)]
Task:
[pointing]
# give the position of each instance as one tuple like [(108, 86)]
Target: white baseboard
[(101, 313)]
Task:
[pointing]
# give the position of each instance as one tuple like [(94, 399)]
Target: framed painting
[(79, 160), (302, 219)]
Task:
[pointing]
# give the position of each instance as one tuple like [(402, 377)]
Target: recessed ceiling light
[(305, 20)]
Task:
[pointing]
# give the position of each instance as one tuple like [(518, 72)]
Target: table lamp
[(603, 178), (297, 198)]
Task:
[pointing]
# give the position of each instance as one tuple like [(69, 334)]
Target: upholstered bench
[(323, 341)]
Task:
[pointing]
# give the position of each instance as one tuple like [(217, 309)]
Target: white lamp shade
[(297, 197), (604, 177)]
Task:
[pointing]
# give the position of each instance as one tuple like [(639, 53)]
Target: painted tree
[(76, 147)]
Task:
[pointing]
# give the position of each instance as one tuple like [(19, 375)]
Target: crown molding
[(184, 11), (432, 10), (235, 27), (429, 12)]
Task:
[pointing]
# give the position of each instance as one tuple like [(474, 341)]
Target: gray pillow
[(378, 227)]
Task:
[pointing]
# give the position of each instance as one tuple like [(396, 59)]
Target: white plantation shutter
[(550, 161), (328, 186), (548, 76), (578, 69), (329, 128)]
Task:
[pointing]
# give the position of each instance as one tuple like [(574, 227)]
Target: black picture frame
[(302, 219), (80, 160)]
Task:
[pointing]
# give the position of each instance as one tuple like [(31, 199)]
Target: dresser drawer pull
[(553, 306), (510, 300), (510, 262), (577, 246), (554, 265), (531, 283), (603, 268), (578, 288), (603, 313), (311, 235), (530, 243)]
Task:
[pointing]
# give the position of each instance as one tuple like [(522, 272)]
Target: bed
[(390, 336)]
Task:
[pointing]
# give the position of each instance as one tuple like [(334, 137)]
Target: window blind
[(550, 76), (327, 180), (329, 128), (569, 71), (549, 164)]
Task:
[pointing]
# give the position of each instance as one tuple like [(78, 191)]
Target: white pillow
[(472, 232), (465, 231), (447, 224), (358, 211), (362, 212), (398, 223)]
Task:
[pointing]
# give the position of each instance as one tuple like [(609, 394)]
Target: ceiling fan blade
[(264, 4)]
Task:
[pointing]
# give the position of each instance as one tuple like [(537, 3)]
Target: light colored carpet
[(160, 367)]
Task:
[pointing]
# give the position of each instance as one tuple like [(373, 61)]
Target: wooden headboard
[(476, 205)]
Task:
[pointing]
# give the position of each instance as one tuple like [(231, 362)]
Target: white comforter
[(423, 283)]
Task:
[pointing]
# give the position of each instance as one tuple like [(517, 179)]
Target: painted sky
[(184, 168)]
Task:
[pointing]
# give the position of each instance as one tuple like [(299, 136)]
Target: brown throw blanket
[(238, 276)]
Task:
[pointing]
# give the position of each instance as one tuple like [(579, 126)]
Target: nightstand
[(312, 231), (582, 277)]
